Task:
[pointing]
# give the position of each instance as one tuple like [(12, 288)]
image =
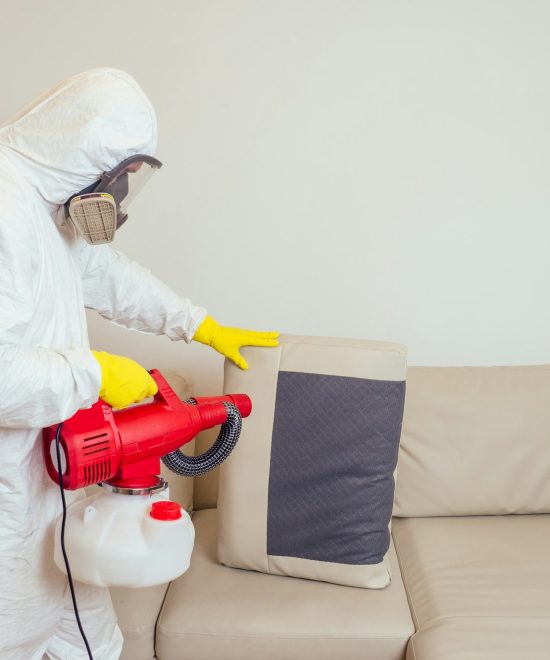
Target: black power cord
[(71, 586)]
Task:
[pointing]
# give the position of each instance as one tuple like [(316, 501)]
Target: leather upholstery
[(475, 442), (218, 613), (479, 587)]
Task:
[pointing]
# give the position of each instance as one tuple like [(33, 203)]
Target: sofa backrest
[(475, 441)]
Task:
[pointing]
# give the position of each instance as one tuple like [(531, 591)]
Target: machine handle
[(165, 394)]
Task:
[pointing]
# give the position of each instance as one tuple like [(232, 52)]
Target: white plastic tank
[(119, 540)]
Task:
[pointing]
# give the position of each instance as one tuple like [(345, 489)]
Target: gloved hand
[(123, 381), (227, 341)]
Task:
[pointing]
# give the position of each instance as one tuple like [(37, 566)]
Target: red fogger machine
[(123, 448), (116, 540)]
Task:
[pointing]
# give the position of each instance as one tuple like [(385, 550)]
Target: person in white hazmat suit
[(59, 145)]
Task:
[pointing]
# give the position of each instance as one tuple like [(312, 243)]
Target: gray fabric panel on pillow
[(335, 440)]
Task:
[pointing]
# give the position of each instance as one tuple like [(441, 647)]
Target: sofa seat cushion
[(471, 638), (214, 612), (474, 583)]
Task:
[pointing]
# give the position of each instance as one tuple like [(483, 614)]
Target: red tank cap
[(165, 510)]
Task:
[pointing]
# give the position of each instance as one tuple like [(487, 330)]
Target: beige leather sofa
[(471, 580)]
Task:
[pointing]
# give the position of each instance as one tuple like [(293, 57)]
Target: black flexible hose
[(191, 466)]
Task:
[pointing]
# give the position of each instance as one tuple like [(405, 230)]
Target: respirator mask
[(100, 209)]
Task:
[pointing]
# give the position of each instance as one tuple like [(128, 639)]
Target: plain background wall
[(373, 169)]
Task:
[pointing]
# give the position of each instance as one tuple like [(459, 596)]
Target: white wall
[(375, 169)]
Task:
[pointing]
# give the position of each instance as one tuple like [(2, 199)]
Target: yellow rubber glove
[(123, 381), (228, 341)]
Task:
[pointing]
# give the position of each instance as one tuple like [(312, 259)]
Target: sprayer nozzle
[(243, 403), (213, 413)]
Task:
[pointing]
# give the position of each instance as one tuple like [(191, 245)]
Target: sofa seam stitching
[(408, 590), (446, 617), (404, 637), (355, 348)]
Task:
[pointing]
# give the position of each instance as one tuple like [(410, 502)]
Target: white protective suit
[(55, 147)]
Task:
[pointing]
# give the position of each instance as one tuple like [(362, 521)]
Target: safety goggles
[(100, 209)]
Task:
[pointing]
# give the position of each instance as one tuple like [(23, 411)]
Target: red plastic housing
[(124, 447)]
